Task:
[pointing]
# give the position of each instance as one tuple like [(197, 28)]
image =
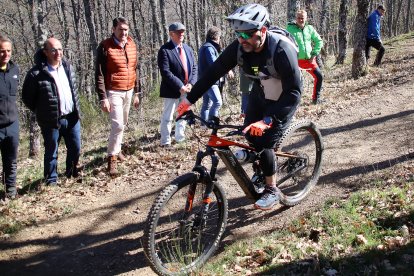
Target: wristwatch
[(268, 120)]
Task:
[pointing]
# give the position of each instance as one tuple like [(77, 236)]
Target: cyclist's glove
[(256, 129), (183, 107)]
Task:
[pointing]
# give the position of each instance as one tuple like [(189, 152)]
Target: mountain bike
[(189, 216)]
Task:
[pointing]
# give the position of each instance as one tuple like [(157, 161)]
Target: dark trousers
[(377, 45), (70, 130), (9, 142), (266, 143)]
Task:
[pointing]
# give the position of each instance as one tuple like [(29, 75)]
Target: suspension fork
[(205, 177)]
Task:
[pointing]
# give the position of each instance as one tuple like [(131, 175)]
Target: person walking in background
[(310, 44), (9, 121), (207, 54), (116, 82), (178, 75), (246, 86), (374, 35), (50, 90)]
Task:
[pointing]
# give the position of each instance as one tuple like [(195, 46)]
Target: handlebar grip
[(188, 115)]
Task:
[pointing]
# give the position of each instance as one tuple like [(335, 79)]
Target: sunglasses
[(245, 35)]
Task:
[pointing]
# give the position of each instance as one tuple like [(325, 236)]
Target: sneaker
[(268, 199), (11, 195), (166, 146)]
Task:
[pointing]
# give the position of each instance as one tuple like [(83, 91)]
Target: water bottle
[(243, 155)]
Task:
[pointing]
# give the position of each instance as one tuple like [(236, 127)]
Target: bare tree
[(196, 26), (310, 7), (292, 7), (342, 31), (38, 14), (390, 17), (408, 17), (163, 20), (359, 63)]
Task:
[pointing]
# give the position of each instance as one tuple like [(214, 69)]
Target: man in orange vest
[(116, 82)]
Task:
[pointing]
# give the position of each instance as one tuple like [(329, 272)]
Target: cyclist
[(273, 100)]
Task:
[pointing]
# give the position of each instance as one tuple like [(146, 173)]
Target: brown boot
[(121, 157), (112, 166)]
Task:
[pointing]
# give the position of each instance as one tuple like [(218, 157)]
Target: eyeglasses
[(55, 50), (245, 35)]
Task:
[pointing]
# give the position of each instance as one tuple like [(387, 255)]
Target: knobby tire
[(177, 246), (303, 139)]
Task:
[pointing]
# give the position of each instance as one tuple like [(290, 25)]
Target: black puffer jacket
[(40, 93), (9, 81)]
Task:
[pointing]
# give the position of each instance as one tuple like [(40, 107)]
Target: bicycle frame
[(221, 146)]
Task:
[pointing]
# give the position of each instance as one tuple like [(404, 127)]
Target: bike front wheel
[(176, 241), (299, 159)]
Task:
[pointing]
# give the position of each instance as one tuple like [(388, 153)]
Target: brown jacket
[(116, 67)]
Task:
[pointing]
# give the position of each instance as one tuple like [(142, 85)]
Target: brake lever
[(188, 115)]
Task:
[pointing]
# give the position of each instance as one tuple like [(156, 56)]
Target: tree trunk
[(182, 12), (40, 36), (408, 19), (390, 17), (157, 34), (397, 16), (309, 7), (76, 10), (292, 7), (164, 28), (61, 11), (196, 25), (359, 63), (342, 31), (89, 17)]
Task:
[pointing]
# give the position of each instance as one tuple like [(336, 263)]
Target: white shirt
[(66, 104)]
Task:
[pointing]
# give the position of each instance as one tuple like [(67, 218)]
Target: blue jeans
[(244, 102), (211, 103), (9, 142), (70, 131)]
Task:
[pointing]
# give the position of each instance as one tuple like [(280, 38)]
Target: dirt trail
[(367, 130)]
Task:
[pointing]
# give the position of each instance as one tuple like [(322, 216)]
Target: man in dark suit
[(179, 73)]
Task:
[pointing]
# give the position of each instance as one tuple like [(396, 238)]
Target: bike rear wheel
[(297, 175), (177, 242)]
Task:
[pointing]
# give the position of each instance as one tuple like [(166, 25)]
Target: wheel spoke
[(298, 174), (180, 245)]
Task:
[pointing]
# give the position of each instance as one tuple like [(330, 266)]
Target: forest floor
[(93, 225)]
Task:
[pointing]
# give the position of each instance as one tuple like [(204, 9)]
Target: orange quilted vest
[(121, 65)]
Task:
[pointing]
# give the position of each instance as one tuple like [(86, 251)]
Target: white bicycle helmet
[(249, 17)]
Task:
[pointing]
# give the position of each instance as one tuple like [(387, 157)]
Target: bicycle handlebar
[(213, 124)]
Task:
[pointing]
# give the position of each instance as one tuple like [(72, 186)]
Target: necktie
[(183, 59)]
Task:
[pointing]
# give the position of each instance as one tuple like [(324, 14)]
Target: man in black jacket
[(50, 91), (9, 123), (274, 98)]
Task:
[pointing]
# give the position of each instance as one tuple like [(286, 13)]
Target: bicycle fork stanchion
[(206, 178)]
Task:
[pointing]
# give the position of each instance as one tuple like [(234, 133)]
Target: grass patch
[(370, 232)]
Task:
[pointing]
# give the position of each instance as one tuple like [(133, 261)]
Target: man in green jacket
[(310, 44)]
